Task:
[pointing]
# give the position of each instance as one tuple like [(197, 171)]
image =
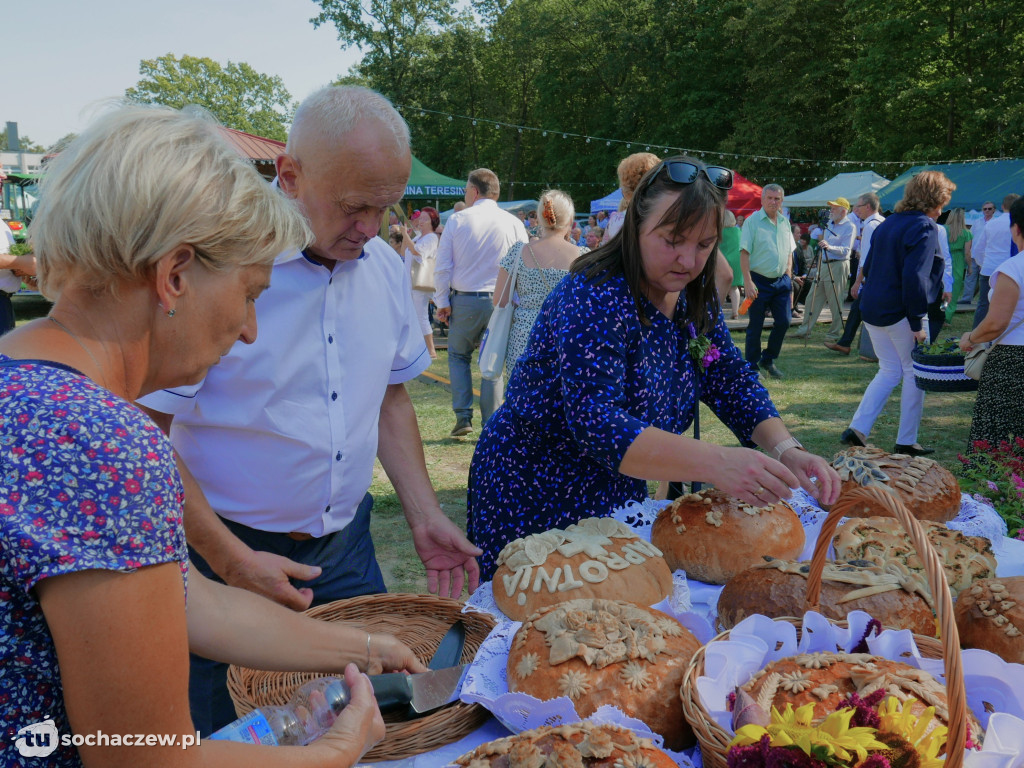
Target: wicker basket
[(941, 373), (714, 740), (420, 621)]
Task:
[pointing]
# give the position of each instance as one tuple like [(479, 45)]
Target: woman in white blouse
[(420, 257)]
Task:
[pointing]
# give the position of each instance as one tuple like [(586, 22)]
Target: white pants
[(421, 300), (893, 345)]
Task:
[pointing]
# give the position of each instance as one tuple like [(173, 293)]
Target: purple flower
[(692, 329), (711, 356), (992, 486)]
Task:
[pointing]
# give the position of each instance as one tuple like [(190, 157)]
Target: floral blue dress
[(89, 482), (593, 377)]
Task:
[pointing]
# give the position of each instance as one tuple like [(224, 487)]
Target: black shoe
[(850, 437), (462, 427), (770, 369), (912, 450)]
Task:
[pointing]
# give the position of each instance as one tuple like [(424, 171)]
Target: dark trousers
[(936, 319), (982, 309), (773, 295), (6, 313), (349, 569), (852, 324)]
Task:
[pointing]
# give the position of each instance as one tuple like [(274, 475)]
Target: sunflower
[(831, 741), (900, 720)]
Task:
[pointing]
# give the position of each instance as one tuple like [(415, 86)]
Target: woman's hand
[(826, 484), (753, 477), (360, 725), (966, 345), (921, 336), (389, 654)]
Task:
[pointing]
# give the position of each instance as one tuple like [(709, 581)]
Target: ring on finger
[(759, 491)]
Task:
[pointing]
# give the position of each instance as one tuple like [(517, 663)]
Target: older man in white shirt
[(990, 249), (277, 444), (472, 244), (836, 244)]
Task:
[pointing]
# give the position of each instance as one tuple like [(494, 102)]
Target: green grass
[(816, 400)]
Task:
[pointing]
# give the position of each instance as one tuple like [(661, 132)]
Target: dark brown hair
[(621, 255)]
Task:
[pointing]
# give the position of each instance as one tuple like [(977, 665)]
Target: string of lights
[(703, 153)]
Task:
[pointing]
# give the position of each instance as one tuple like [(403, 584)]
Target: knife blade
[(449, 651), (421, 693)]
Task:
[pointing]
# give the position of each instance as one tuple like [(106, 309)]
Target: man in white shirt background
[(277, 444), (990, 249), (11, 268), (472, 244), (973, 273)]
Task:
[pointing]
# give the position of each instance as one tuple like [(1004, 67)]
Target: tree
[(236, 94), (24, 142), (394, 34)]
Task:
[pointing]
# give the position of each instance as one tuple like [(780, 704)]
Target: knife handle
[(392, 691)]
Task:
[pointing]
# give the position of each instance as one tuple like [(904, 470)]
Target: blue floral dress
[(89, 482), (593, 377)]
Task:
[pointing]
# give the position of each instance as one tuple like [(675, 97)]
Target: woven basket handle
[(956, 694)]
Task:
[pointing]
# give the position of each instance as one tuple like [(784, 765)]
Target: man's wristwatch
[(785, 445)]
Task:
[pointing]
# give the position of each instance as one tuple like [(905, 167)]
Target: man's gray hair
[(330, 114), (773, 188), (870, 199)]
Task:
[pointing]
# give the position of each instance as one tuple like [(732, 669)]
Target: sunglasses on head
[(685, 172)]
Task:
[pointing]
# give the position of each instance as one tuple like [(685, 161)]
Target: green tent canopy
[(975, 182), (428, 183)]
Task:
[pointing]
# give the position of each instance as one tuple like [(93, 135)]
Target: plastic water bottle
[(306, 717), (745, 305)]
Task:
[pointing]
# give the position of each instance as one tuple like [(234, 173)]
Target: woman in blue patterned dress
[(598, 403), (154, 238)]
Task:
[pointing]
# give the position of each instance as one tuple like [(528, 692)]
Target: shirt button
[(328, 508), (337, 456), (330, 339), (334, 395)]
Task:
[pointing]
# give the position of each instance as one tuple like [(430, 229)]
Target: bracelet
[(367, 652), (785, 445)]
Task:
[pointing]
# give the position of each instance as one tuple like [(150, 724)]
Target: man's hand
[(749, 287), (855, 290), (448, 556), (946, 297), (442, 314), (270, 575)]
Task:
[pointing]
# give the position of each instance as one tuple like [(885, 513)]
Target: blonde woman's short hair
[(556, 210), (141, 181)]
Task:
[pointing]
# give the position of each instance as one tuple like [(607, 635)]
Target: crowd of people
[(174, 433)]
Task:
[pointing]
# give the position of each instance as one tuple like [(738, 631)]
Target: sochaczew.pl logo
[(41, 739)]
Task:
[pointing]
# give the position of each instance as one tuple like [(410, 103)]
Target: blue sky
[(76, 54)]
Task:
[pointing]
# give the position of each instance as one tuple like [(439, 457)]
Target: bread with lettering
[(895, 595), (579, 745), (827, 679), (596, 557), (613, 652), (990, 616), (882, 540), (929, 490), (713, 536)]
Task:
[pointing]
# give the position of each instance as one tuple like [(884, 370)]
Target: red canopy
[(745, 195)]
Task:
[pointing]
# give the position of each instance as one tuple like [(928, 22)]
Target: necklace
[(78, 341)]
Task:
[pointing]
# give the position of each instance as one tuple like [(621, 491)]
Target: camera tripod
[(816, 267)]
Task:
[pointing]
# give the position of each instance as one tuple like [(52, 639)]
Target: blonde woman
[(542, 265), (960, 249)]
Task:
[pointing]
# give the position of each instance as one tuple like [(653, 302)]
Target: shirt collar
[(484, 201)]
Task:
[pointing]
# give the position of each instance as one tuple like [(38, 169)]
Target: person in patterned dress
[(542, 265), (154, 238), (598, 402)]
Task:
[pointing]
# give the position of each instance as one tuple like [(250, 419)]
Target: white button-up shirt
[(282, 433), (867, 229), (992, 246), (472, 244)]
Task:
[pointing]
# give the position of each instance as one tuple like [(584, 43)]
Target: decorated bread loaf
[(596, 557), (713, 536), (580, 745), (882, 540), (826, 679), (990, 615), (600, 652), (895, 595), (928, 490)]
